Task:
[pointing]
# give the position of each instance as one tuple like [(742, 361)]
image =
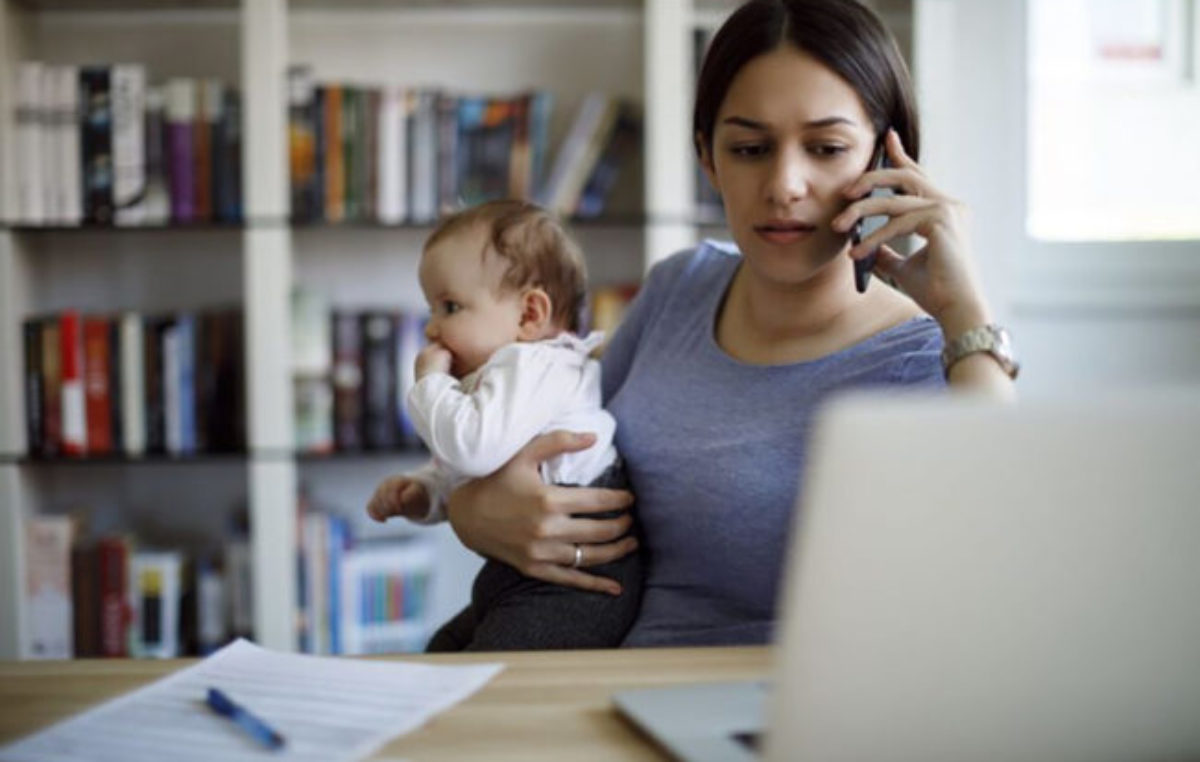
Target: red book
[(74, 422), (97, 394), (115, 616)]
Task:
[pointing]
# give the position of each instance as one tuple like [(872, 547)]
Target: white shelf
[(629, 48)]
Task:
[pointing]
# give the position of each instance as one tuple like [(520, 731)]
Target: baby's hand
[(433, 359), (399, 496)]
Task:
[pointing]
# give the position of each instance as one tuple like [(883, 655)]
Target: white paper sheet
[(326, 709)]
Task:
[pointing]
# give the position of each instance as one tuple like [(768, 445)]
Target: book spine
[(116, 372), (34, 391), (335, 166), (85, 598), (172, 394), (424, 158), (539, 138), (133, 384), (446, 140), (210, 607), (69, 138), (74, 415), (154, 590), (301, 142), (128, 143), (379, 379), (347, 381), (370, 154), (320, 171), (208, 113), (51, 169), (181, 162), (155, 410), (410, 339), (52, 414), (97, 394), (622, 143), (186, 350), (113, 555), (96, 102), (48, 587), (390, 204), (520, 165), (351, 148), (228, 169), (157, 204), (30, 132)]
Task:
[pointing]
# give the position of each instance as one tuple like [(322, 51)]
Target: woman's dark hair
[(844, 35)]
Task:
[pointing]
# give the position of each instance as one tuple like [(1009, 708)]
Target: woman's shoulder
[(695, 270)]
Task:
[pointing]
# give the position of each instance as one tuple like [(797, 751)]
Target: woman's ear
[(706, 161), (536, 314)]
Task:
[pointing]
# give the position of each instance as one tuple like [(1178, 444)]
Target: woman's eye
[(827, 149), (749, 150)]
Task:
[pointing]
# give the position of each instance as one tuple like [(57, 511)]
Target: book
[(128, 97), (154, 598), (155, 329), (34, 389), (30, 119), (97, 374), (422, 158), (133, 383), (391, 203), (578, 153), (115, 408), (210, 606), (302, 153), (96, 144), (239, 590), (347, 381), (52, 412), (385, 596), (379, 398), (51, 632), (156, 206), (74, 414), (85, 600), (227, 159), (112, 553), (410, 340), (447, 158), (69, 139), (210, 101), (180, 154), (333, 154), (620, 147)]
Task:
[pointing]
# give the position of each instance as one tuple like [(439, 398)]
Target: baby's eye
[(450, 307)]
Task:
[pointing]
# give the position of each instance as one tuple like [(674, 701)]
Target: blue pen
[(258, 730)]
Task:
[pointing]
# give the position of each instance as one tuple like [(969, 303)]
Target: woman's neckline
[(731, 263)]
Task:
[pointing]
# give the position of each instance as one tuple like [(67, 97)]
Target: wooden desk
[(550, 705)]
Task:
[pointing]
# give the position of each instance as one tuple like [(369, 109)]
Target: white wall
[(1083, 315)]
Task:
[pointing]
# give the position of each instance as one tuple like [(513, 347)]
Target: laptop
[(975, 581)]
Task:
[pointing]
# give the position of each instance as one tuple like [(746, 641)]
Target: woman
[(727, 353)]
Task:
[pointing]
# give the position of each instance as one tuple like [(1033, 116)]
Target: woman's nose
[(788, 182)]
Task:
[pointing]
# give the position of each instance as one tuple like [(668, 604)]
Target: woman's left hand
[(940, 277)]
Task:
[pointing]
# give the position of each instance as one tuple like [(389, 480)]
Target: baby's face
[(470, 314)]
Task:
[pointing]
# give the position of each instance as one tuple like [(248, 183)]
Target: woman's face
[(790, 136)]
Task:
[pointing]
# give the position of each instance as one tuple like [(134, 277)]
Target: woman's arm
[(512, 516), (940, 277)]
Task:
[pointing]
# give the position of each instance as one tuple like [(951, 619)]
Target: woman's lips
[(783, 233)]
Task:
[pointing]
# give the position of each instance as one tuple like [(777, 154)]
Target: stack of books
[(130, 384), (390, 154), (351, 371), (97, 145)]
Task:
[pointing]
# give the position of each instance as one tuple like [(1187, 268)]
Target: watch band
[(989, 338)]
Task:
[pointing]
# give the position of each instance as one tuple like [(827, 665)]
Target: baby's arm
[(418, 496), (520, 391)]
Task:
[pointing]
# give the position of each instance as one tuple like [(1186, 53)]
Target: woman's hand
[(940, 277), (512, 516)]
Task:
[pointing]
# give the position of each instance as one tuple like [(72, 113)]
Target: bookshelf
[(637, 50), (567, 49)]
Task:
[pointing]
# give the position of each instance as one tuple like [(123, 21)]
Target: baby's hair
[(537, 248)]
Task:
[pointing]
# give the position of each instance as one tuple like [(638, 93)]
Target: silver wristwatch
[(986, 338)]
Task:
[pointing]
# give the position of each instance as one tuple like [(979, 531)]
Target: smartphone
[(868, 225)]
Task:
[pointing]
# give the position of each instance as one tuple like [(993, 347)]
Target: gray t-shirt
[(714, 446)]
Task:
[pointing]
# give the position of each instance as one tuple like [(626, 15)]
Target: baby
[(505, 285)]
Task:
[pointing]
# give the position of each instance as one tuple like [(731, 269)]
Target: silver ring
[(578, 557)]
